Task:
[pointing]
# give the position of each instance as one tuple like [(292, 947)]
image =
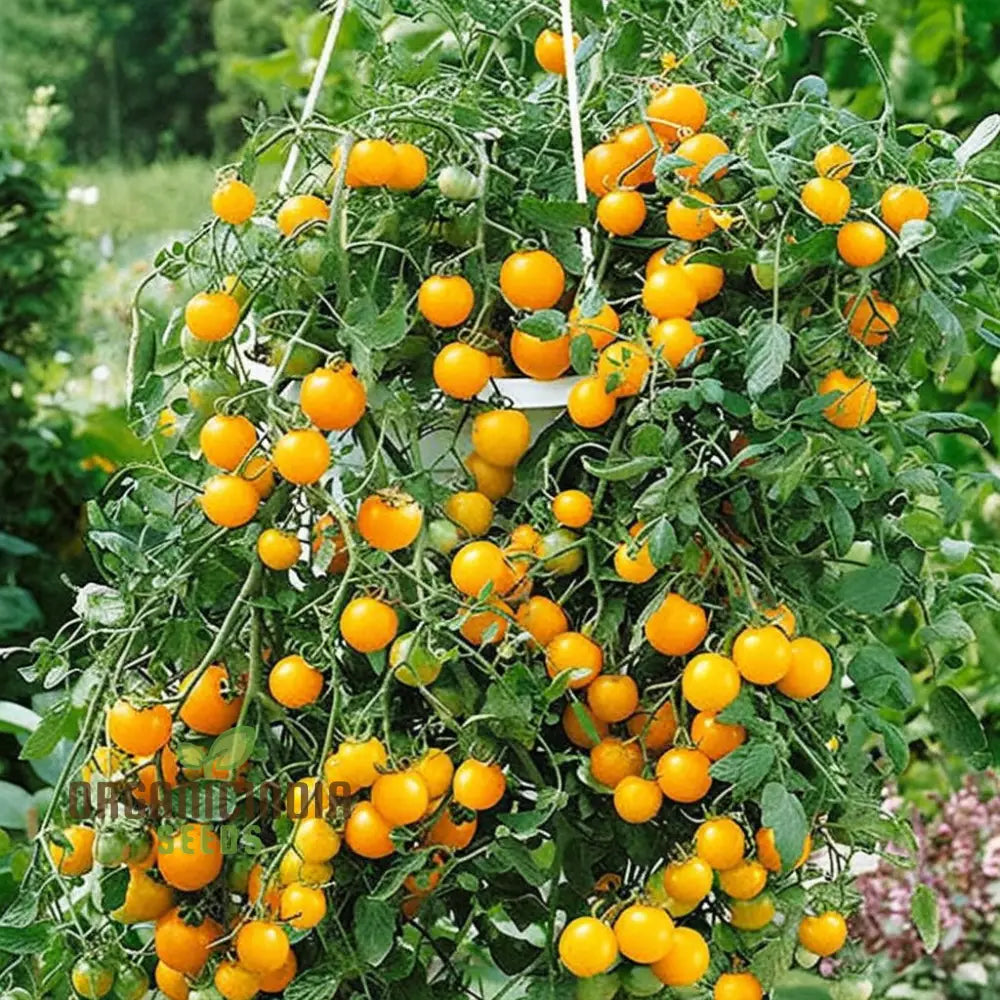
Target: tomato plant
[(633, 731)]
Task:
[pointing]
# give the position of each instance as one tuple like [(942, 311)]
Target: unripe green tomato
[(192, 347), (111, 848), (765, 195), (640, 982), (443, 535), (772, 28), (603, 986), (763, 270), (460, 231), (131, 982), (303, 360), (140, 843), (206, 390), (860, 552), (554, 560), (458, 184), (412, 663), (805, 957), (309, 255), (766, 213)]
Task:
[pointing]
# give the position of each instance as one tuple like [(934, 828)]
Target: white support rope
[(314, 88), (576, 130)]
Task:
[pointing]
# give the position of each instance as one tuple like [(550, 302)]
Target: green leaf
[(546, 324), (795, 985), (783, 813), (581, 354), (15, 804), (922, 424), (746, 767), (109, 891), (374, 928), (924, 913), (554, 214), (48, 733), (957, 726), (232, 748), (631, 469), (586, 721), (871, 589), (948, 627), (913, 234), (662, 543), (389, 329), (18, 610), (23, 910), (769, 351), (774, 958), (880, 677), (318, 983), (15, 546), (31, 940), (16, 718)]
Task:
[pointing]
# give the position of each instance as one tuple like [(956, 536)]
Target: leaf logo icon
[(231, 749)]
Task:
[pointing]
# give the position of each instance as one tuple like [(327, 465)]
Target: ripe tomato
[(783, 617), (212, 316), (294, 683), (234, 982), (262, 946), (389, 520), (753, 914), (303, 906), (190, 858), (371, 163), (613, 697), (409, 169), (638, 141), (720, 843), (871, 320), (185, 946), (478, 786), (573, 727), (259, 473), (233, 201), (138, 731), (637, 800), (159, 768), (679, 106), (461, 371), (171, 983), (78, 857), (701, 149), (145, 899), (437, 770), (447, 833), (540, 359), (229, 501), (634, 566), (828, 200), (445, 300), (292, 867), (300, 210), (301, 456), (710, 682), (601, 328), (401, 797), (715, 739), (572, 508), (669, 292), (762, 655), (574, 651), (210, 706), (494, 481), (823, 934), (621, 213), (810, 671), (686, 962), (532, 279), (745, 880), (355, 764), (861, 244), (901, 204), (655, 731), (368, 624), (276, 981), (91, 978), (737, 986), (676, 627), (706, 278), (477, 564), (587, 947), (833, 161), (501, 437), (622, 368), (767, 851), (334, 399), (589, 404), (278, 549), (543, 618), (550, 51), (675, 340), (604, 166), (688, 881), (856, 401), (489, 625), (225, 441), (644, 933), (682, 774), (691, 224), (613, 759)]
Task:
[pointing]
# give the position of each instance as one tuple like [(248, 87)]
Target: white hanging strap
[(314, 88), (576, 131)]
